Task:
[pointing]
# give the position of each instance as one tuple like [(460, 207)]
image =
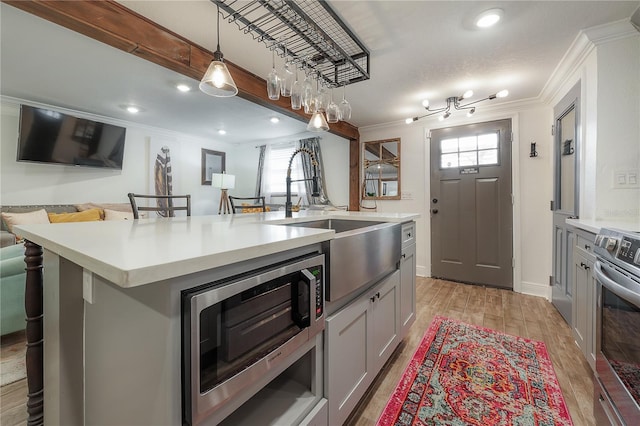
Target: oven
[(238, 330), (617, 377)]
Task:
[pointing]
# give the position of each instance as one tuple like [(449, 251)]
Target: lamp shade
[(318, 123), (223, 181), (217, 80)]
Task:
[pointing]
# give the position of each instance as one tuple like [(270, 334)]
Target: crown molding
[(583, 45)]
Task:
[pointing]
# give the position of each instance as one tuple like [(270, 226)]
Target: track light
[(454, 103)]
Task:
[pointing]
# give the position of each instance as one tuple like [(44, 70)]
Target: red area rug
[(467, 375)]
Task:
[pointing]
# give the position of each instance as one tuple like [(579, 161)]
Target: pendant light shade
[(217, 81), (318, 123)]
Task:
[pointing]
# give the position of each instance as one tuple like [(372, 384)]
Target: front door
[(471, 204), (565, 200)]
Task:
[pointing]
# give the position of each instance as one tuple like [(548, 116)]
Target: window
[(275, 174), (469, 151)]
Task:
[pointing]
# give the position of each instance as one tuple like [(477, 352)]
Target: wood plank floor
[(522, 315), (526, 316)]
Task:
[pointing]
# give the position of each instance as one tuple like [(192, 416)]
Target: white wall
[(24, 183), (610, 115), (531, 180), (413, 186), (618, 135)]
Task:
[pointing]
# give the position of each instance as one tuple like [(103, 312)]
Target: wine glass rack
[(307, 33)]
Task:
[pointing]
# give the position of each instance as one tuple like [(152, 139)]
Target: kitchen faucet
[(314, 191)]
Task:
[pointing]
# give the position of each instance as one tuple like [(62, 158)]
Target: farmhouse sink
[(361, 252)]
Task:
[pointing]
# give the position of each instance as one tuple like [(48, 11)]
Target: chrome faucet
[(314, 191)]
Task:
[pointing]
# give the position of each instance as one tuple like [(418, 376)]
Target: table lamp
[(223, 181)]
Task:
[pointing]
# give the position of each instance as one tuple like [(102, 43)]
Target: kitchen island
[(112, 309)]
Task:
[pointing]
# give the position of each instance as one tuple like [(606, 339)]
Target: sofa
[(12, 266), (12, 282)]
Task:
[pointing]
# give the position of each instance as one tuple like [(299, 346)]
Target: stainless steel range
[(617, 378)]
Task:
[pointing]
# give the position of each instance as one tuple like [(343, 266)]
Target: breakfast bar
[(113, 308)]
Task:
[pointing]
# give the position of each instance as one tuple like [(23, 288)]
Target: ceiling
[(419, 49)]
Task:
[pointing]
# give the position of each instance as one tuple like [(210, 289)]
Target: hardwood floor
[(526, 316), (522, 315), (13, 397)]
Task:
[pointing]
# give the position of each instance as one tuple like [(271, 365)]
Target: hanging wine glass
[(308, 95), (322, 97), (273, 80), (344, 107), (296, 93), (333, 113), (286, 76)]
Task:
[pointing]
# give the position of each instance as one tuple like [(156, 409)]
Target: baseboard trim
[(535, 289), (421, 271)]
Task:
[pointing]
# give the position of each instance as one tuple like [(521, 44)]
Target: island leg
[(34, 311)]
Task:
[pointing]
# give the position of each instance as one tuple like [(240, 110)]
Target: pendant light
[(318, 123), (217, 81)]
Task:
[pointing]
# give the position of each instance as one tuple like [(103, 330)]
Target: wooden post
[(33, 305)]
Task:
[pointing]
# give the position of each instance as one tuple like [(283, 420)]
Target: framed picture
[(212, 162)]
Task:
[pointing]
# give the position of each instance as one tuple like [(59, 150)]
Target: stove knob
[(612, 243), (636, 260)]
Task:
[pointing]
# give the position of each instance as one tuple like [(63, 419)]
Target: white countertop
[(594, 226), (133, 253)]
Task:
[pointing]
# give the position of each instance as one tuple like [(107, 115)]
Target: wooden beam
[(113, 24), (354, 175)]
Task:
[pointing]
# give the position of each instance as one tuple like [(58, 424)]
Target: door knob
[(435, 201), (434, 211)]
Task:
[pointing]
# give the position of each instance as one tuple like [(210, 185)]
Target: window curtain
[(313, 145), (274, 174), (263, 151)]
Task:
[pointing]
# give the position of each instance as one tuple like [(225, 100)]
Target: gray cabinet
[(407, 278), (359, 339), (584, 300)]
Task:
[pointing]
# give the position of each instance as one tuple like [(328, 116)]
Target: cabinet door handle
[(378, 295), (587, 247), (372, 298), (404, 255)]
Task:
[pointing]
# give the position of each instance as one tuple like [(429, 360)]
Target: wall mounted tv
[(48, 136)]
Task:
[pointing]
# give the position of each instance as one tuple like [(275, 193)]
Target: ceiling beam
[(112, 23)]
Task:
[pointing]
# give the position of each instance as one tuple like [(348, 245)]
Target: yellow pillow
[(85, 216)]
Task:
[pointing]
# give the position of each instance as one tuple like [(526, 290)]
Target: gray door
[(565, 199), (471, 204)]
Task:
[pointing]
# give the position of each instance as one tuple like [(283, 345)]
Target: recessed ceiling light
[(274, 120), (222, 132), (489, 18), (183, 87), (133, 109)]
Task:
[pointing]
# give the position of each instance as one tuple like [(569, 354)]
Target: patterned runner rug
[(462, 374)]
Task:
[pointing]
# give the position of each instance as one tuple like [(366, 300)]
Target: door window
[(477, 150)]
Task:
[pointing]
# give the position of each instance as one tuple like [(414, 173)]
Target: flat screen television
[(47, 136)]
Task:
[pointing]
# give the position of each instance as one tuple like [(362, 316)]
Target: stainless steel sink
[(338, 225), (361, 252)]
